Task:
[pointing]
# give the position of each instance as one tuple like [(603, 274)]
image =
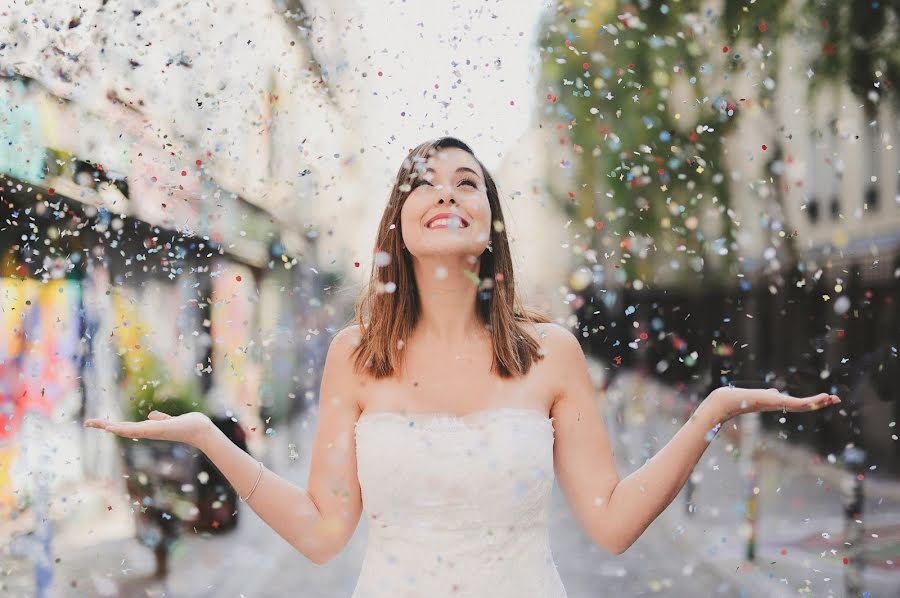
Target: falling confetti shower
[(704, 195)]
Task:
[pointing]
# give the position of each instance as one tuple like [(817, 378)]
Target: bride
[(447, 411)]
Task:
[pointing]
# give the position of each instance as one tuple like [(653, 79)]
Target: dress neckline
[(463, 419)]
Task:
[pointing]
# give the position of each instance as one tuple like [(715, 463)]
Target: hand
[(734, 401), (191, 428)]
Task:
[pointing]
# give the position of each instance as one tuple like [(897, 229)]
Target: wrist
[(714, 410), (709, 417), (204, 436), (727, 402)]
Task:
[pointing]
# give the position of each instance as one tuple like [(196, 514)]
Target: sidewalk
[(93, 529), (800, 522), (96, 553), (91, 513), (799, 540)]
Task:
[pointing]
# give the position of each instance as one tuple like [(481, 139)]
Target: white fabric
[(457, 506)]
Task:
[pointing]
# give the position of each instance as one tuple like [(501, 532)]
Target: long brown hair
[(386, 320)]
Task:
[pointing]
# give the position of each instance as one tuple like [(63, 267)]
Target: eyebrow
[(463, 168)]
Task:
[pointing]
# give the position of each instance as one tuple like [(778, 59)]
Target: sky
[(410, 71)]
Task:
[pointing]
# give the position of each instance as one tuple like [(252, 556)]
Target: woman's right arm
[(318, 520)]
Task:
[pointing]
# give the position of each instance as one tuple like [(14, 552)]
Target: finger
[(158, 415), (818, 401), (129, 429), (144, 429)]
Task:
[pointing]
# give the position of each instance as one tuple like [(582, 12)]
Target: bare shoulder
[(562, 354), (561, 347), (556, 338), (339, 360), (341, 348), (347, 337)]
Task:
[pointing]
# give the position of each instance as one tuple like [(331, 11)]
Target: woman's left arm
[(613, 512)]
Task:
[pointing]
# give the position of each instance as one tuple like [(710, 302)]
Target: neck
[(447, 296)]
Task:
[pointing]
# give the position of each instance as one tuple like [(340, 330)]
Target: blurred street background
[(704, 193)]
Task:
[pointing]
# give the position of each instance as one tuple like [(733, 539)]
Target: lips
[(448, 216)]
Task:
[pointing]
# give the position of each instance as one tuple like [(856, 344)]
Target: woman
[(447, 414)]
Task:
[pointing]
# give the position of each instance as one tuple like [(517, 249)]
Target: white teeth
[(446, 222)]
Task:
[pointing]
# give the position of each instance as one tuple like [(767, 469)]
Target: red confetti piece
[(238, 278), (356, 264), (846, 560), (198, 162), (725, 49), (51, 191), (184, 173), (585, 66), (784, 551), (762, 27), (764, 147)]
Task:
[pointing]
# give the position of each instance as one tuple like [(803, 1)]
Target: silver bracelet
[(258, 477), (712, 432)]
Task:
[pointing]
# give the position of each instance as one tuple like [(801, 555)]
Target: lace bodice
[(457, 506)]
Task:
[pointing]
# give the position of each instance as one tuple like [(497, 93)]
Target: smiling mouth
[(448, 223)]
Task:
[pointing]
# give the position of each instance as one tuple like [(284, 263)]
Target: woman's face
[(450, 182)]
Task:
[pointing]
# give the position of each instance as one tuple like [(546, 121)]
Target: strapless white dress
[(457, 506)]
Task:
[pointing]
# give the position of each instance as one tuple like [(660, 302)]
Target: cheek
[(482, 208), (410, 213)]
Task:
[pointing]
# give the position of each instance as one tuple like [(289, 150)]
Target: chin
[(448, 250)]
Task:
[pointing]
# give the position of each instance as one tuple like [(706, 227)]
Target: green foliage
[(618, 73), (859, 47), (614, 71), (150, 388)]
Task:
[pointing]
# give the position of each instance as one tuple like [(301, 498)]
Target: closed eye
[(423, 181)]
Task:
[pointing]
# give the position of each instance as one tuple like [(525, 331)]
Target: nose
[(451, 200)]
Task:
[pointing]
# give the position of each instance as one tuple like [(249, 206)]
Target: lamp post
[(750, 426), (852, 498)]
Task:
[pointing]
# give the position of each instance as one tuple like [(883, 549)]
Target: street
[(798, 545), (254, 562)]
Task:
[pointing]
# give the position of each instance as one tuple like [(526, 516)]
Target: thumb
[(158, 415)]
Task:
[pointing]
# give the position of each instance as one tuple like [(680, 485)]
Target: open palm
[(746, 400), (187, 428)]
